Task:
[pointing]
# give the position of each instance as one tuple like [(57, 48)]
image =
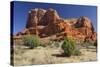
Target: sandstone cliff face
[(47, 22), (34, 17), (51, 16)]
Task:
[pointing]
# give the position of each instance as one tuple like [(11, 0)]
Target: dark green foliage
[(31, 41), (95, 44), (69, 47)]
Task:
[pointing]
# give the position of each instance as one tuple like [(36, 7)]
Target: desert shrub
[(95, 44), (50, 42), (53, 44), (57, 44), (69, 47), (76, 52), (31, 41), (87, 44)]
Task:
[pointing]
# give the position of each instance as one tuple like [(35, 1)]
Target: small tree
[(69, 47), (31, 41)]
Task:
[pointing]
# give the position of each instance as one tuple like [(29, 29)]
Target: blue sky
[(64, 10)]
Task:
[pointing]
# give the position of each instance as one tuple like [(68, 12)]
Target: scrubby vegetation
[(52, 43), (51, 53), (69, 47), (31, 41), (95, 44), (87, 44)]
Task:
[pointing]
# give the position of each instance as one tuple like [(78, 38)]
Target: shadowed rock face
[(47, 22)]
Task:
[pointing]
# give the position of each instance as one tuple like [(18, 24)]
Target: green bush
[(69, 47), (31, 41), (95, 44)]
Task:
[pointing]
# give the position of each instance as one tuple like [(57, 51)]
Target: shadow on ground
[(60, 55)]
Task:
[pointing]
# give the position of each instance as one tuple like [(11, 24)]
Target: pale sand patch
[(47, 55)]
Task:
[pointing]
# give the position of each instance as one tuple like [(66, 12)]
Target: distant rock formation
[(47, 22)]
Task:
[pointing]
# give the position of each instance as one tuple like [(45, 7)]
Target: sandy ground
[(47, 55)]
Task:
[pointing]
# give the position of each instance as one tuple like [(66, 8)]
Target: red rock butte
[(45, 23)]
